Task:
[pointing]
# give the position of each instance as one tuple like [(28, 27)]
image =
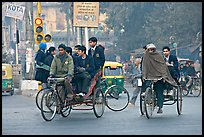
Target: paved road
[(20, 116)]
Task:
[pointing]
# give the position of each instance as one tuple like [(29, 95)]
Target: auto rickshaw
[(7, 79), (112, 74)]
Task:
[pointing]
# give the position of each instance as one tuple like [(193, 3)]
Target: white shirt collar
[(94, 48)]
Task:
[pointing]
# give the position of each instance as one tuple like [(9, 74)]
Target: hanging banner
[(86, 14)]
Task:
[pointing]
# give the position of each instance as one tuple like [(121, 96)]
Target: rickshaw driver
[(63, 67), (154, 68)]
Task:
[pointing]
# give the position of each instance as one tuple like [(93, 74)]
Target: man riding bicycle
[(63, 67), (155, 69)]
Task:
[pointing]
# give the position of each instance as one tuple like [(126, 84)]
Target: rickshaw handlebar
[(55, 79)]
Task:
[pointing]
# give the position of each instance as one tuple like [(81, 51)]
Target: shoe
[(131, 104), (165, 93), (160, 110), (170, 93), (143, 94), (81, 94), (69, 96)]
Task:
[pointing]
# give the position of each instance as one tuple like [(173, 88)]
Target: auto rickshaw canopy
[(6, 71), (112, 69)]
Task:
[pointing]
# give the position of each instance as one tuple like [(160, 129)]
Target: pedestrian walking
[(138, 75)]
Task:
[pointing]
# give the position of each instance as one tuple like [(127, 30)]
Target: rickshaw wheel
[(98, 102), (116, 98), (179, 100), (141, 104)]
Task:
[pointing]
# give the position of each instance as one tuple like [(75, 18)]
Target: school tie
[(92, 52)]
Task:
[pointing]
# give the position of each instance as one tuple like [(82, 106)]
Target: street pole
[(16, 28), (30, 66), (86, 39), (68, 26), (79, 36)]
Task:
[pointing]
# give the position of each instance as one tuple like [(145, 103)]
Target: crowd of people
[(77, 68)]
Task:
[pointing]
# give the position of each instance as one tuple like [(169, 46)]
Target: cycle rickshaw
[(148, 101), (50, 101)]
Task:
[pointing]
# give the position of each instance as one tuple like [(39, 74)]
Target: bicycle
[(191, 85)]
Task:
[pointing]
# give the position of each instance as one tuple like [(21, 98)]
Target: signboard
[(86, 14), (15, 11)]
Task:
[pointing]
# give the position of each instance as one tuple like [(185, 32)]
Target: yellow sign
[(86, 14)]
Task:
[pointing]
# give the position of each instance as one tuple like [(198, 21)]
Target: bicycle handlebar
[(56, 79)]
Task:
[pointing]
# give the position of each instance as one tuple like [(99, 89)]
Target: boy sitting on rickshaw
[(84, 70)]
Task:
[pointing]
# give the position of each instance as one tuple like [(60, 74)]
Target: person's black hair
[(82, 48), (62, 46), (77, 46), (166, 47), (51, 49), (93, 39), (144, 47), (69, 50)]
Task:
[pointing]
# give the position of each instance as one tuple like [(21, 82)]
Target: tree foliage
[(155, 22)]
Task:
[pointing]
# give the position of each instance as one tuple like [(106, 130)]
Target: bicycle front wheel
[(149, 102), (49, 105), (116, 98), (38, 97)]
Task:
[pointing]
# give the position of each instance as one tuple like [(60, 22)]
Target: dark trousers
[(68, 86), (83, 80), (159, 87)]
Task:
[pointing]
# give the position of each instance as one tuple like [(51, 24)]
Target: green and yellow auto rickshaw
[(7, 79), (112, 74)]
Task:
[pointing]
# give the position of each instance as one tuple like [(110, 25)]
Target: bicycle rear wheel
[(149, 102), (116, 98), (98, 103), (49, 105)]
